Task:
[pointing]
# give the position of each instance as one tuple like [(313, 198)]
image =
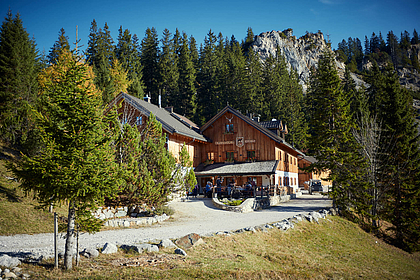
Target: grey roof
[(170, 121), (239, 169)]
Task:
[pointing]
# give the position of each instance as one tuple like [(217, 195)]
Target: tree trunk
[(68, 255)]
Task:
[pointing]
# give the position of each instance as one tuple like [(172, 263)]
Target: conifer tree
[(77, 161), (168, 69), (331, 141), (207, 92), (253, 83), (149, 62), (186, 102), (127, 52), (402, 174), (19, 68), (61, 44)]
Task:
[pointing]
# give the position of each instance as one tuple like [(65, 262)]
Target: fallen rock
[(189, 240), (166, 243), (109, 248), (90, 253), (179, 251), (9, 275), (7, 261)]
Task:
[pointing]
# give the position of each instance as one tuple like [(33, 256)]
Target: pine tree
[(19, 68), (61, 44), (77, 161)]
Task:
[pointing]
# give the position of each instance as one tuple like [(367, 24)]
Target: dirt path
[(192, 216)]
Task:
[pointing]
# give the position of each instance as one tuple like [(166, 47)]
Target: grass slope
[(20, 213), (333, 249)]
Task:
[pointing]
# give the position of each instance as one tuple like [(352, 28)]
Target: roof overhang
[(237, 169)]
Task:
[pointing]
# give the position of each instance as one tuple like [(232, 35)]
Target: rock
[(8, 261), (189, 240), (166, 243), (9, 275), (252, 229), (109, 248), (179, 251), (148, 247), (90, 253)]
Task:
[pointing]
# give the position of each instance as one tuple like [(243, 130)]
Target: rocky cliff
[(302, 54)]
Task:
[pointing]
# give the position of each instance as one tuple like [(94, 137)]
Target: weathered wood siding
[(245, 138)]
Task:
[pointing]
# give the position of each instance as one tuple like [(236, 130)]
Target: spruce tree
[(207, 92), (168, 69), (77, 161), (402, 174), (149, 61), (19, 68), (186, 102), (61, 44), (331, 141)]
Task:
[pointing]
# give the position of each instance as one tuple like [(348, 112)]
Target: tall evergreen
[(331, 141), (18, 81), (402, 174), (149, 61), (207, 92), (186, 102), (77, 162), (168, 69), (100, 54), (253, 85), (127, 52), (61, 44)]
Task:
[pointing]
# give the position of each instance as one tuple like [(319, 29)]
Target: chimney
[(170, 109), (160, 100), (147, 98)]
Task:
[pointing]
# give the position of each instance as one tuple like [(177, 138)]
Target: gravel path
[(192, 216)]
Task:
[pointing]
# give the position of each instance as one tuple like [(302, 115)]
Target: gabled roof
[(239, 169), (171, 122), (249, 121)]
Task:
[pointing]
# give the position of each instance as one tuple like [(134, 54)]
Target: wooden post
[(55, 240)]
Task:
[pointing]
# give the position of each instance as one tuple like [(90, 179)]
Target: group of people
[(249, 186)]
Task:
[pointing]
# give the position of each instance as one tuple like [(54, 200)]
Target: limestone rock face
[(301, 54)]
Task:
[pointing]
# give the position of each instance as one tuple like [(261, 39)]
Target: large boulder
[(189, 240), (109, 248), (7, 261)]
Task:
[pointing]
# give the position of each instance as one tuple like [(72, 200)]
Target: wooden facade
[(237, 139), (178, 132), (305, 177)]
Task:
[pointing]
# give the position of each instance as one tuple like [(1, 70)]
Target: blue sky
[(338, 18)]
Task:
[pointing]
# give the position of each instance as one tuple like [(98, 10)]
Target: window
[(230, 156), (210, 156), (250, 155), (139, 120), (229, 128)]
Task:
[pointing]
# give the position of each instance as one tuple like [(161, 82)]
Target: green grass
[(19, 213), (333, 249)]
